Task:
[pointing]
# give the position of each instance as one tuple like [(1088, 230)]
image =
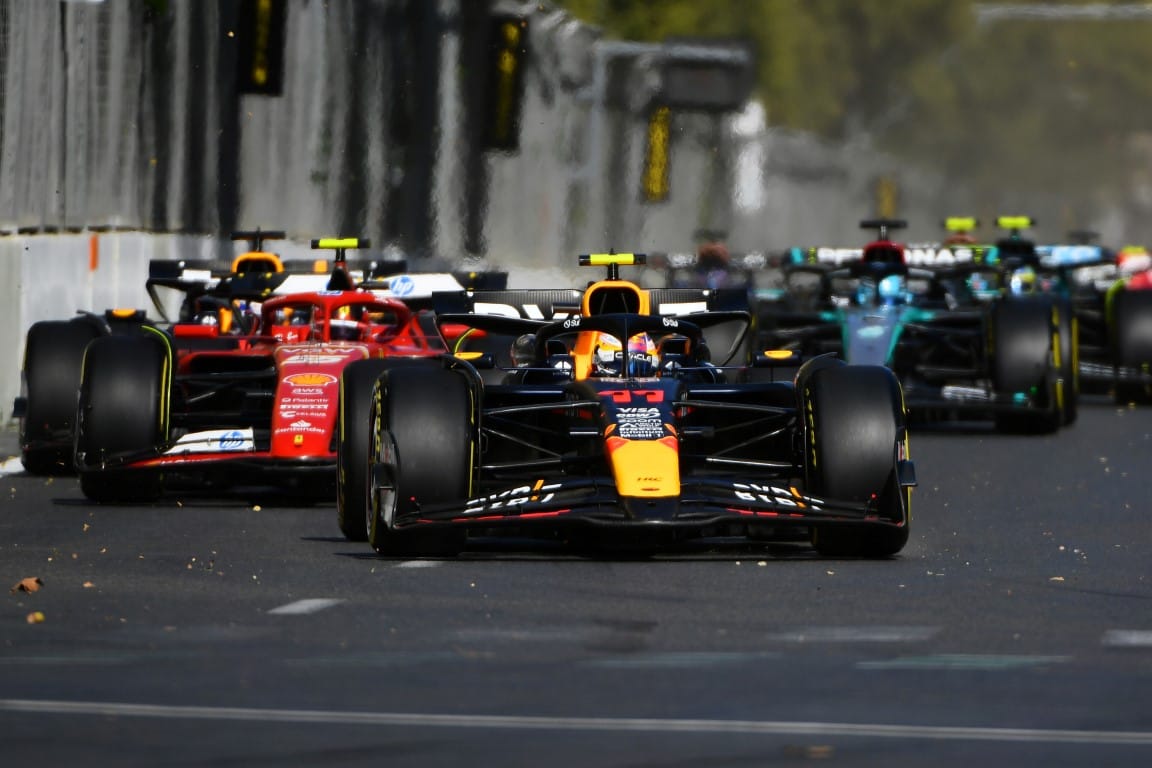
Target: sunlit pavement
[(9, 450)]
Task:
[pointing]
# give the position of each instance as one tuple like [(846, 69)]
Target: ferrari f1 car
[(195, 406), (54, 352), (1011, 359), (615, 429)]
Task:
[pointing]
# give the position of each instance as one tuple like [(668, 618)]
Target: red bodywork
[(305, 341)]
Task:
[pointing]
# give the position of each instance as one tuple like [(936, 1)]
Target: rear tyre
[(1131, 338), (422, 453), (355, 439), (854, 434), (123, 411), (1025, 346), (53, 355)]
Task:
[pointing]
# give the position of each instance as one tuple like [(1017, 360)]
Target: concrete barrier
[(54, 276)]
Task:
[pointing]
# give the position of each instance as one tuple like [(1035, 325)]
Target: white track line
[(311, 605), (12, 466), (754, 727), (1128, 638), (850, 634)]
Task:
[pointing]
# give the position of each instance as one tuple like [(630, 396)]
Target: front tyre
[(854, 434), (122, 414), (354, 429), (1025, 346), (1131, 342), (355, 437), (423, 452)]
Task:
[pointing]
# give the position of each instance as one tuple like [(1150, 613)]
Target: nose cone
[(645, 468), (653, 510)]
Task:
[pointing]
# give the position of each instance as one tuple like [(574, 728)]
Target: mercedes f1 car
[(1111, 299), (1012, 359), (1105, 294), (614, 428), (235, 406)]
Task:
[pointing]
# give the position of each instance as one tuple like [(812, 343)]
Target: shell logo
[(310, 379)]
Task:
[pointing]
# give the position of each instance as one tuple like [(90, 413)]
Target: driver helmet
[(345, 324), (523, 350), (1132, 260), (891, 289), (1022, 281), (340, 329), (639, 358)]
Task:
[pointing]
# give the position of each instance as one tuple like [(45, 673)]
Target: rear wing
[(194, 278), (724, 333), (418, 289)]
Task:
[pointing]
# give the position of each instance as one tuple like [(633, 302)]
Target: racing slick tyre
[(355, 439), (53, 354), (1131, 339), (123, 409), (1025, 346), (423, 448), (1068, 347), (854, 433)]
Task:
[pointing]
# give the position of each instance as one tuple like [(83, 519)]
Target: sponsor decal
[(838, 255), (329, 358), (530, 311), (928, 256), (771, 494), (232, 440), (1068, 255), (213, 441), (524, 494), (309, 380), (299, 430), (301, 424), (401, 285), (682, 307), (639, 423), (299, 404)]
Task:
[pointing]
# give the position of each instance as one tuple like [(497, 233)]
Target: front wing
[(703, 504)]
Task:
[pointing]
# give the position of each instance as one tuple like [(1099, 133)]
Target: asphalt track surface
[(1015, 629)]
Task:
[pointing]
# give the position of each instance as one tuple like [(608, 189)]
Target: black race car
[(615, 427), (1010, 358)]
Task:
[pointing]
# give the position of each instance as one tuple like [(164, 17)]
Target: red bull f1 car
[(615, 427)]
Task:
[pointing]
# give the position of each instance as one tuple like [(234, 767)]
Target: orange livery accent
[(645, 468)]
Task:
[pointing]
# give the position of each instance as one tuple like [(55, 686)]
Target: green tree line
[(1056, 100)]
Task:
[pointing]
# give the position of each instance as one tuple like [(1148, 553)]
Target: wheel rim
[(381, 484)]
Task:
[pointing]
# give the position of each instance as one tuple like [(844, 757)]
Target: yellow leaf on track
[(30, 584)]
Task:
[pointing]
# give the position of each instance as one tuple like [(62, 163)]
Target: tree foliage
[(1035, 100)]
